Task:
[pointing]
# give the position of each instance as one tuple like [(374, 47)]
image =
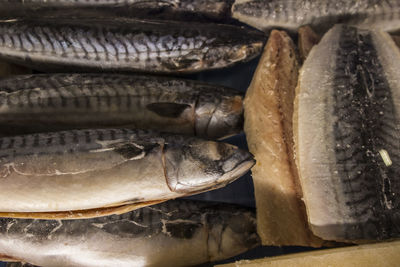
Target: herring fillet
[(92, 169), (161, 9), (347, 136), (320, 15), (54, 102), (174, 233), (126, 45)]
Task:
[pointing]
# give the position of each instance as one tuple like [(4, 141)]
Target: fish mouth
[(248, 52), (238, 171)]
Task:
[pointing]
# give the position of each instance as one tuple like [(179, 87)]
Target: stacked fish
[(83, 154), (88, 156)]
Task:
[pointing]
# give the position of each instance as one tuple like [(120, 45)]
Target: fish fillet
[(383, 254), (268, 126), (347, 135)]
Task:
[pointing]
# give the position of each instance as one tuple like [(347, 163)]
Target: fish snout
[(203, 165), (238, 235), (235, 163)]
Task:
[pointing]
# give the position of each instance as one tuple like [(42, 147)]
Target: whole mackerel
[(90, 173), (175, 233), (216, 10), (126, 45), (54, 102), (321, 15), (347, 128)]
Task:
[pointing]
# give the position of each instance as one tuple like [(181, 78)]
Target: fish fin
[(166, 109), (119, 208), (4, 257)]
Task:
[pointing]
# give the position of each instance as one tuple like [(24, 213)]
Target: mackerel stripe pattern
[(64, 142), (366, 124), (321, 15), (128, 45), (92, 91), (94, 43)]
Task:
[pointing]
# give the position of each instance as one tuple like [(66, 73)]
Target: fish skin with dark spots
[(126, 45), (55, 102), (347, 122), (174, 233), (320, 15), (49, 174)]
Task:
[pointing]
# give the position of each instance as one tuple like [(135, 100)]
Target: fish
[(126, 45), (55, 102), (347, 135), (89, 173), (202, 10), (320, 15), (281, 216), (174, 233), (375, 254)]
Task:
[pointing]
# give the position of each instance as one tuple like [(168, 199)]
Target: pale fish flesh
[(175, 233), (126, 45), (347, 127), (87, 170), (321, 15), (54, 102)]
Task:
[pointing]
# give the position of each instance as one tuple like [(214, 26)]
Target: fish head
[(193, 165), (244, 47), (219, 116), (232, 231), (234, 44)]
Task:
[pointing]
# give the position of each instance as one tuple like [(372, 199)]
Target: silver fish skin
[(54, 102), (215, 10), (348, 135), (90, 169), (126, 45), (174, 233), (320, 15)]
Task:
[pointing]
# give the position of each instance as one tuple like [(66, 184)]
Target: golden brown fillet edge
[(386, 254), (80, 214), (307, 38), (396, 39), (281, 213)]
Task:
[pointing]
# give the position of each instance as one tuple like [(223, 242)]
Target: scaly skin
[(127, 45), (320, 15), (175, 233), (216, 10), (89, 169), (53, 102)]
